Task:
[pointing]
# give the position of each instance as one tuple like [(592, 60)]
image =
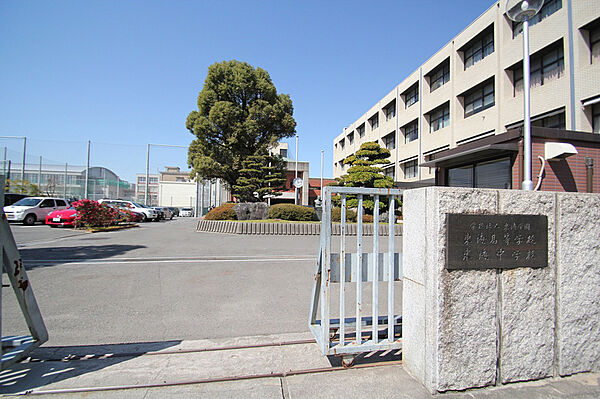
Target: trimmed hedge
[(336, 215), (292, 212), (223, 212)]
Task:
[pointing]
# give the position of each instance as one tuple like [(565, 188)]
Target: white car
[(32, 209), (186, 212), (149, 213)]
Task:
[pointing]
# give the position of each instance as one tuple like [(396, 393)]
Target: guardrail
[(345, 335)]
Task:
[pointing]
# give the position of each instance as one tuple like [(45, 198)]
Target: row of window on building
[(546, 64)]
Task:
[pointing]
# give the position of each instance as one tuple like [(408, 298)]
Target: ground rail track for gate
[(348, 336)]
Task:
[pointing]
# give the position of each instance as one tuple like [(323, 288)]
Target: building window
[(546, 64), (283, 152), (361, 130), (153, 180), (440, 75), (342, 144), (479, 48), (410, 169), (411, 95), (439, 118), (411, 131), (595, 42), (549, 8), (141, 179), (374, 121), (596, 118), (390, 172), (351, 138), (553, 121), (390, 141), (479, 98), (487, 174), (390, 110)]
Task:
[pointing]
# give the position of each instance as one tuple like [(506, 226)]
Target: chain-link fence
[(152, 174)]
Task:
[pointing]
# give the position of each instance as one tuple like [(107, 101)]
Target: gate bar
[(391, 235), (376, 268), (359, 251), (342, 271)]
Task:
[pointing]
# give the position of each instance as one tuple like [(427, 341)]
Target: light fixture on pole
[(522, 11)]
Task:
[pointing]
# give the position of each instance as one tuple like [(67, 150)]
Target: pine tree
[(260, 176)]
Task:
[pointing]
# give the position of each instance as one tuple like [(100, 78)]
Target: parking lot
[(162, 281)]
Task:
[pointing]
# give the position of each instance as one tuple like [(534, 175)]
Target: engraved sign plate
[(496, 241)]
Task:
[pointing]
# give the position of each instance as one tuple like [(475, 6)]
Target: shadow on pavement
[(60, 254), (48, 365), (371, 357)]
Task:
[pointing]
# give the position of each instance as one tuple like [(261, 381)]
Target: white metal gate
[(15, 348), (362, 333)]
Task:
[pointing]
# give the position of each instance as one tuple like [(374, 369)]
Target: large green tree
[(240, 114), (260, 176)]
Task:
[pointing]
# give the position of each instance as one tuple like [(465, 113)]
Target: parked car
[(11, 198), (32, 209), (186, 212), (148, 213), (62, 217), (174, 210), (165, 211)]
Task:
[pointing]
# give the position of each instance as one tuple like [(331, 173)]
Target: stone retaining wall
[(233, 227), (473, 328)]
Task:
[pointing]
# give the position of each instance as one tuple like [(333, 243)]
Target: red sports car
[(62, 217)]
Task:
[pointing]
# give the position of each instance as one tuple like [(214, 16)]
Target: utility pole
[(66, 167), (296, 175), (87, 172), (322, 156)]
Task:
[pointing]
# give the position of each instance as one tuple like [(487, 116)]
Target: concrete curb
[(263, 228)]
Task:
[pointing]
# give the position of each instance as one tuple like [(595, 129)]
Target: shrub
[(367, 218), (292, 212), (93, 214), (223, 212), (336, 215)]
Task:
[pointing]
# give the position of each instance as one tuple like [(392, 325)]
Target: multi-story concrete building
[(140, 192), (456, 119)]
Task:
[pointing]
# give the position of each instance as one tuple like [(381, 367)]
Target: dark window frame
[(411, 95), (478, 96), (374, 121), (473, 164), (540, 68), (412, 166), (596, 114), (389, 139), (549, 8), (411, 131), (439, 76), (361, 130), (479, 48), (556, 121), (441, 116), (350, 138), (390, 110)]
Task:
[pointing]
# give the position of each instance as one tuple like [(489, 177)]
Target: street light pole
[(296, 175), (24, 153), (87, 172), (522, 11), (322, 155), (527, 181), (147, 175)]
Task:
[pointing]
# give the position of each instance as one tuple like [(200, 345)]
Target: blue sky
[(126, 73)]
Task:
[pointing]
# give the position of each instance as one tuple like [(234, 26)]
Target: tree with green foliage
[(260, 176), (22, 187), (240, 114), (365, 171)]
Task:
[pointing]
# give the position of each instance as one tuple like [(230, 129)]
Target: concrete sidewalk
[(283, 362)]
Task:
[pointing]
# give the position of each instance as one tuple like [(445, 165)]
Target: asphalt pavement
[(162, 281)]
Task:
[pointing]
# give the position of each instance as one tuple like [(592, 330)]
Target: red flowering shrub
[(93, 214)]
